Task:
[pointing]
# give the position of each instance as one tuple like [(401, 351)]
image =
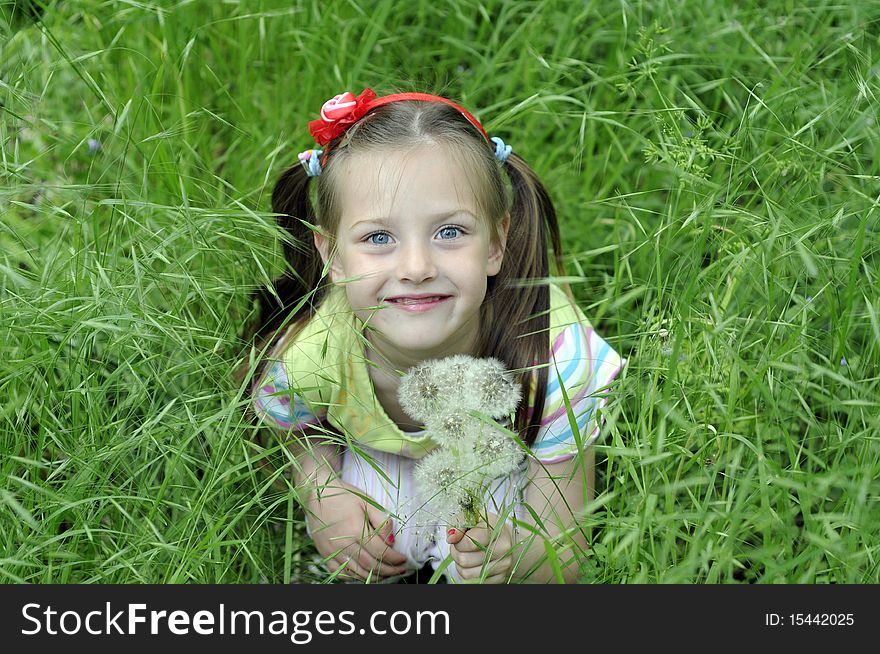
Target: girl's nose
[(416, 263)]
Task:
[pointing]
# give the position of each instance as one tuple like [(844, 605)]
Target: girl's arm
[(557, 493), (347, 530), (316, 461)]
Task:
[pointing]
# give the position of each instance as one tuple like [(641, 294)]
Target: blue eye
[(372, 242), (448, 227)]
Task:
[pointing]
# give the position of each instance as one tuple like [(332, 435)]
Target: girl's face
[(410, 227)]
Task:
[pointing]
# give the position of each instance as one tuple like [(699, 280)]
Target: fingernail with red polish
[(451, 532), (391, 539)]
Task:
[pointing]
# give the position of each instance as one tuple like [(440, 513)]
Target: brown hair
[(514, 316)]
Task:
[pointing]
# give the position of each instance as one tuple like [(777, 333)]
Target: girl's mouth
[(419, 305)]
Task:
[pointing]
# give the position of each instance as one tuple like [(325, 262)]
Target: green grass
[(714, 169)]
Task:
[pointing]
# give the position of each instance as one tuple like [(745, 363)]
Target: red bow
[(338, 113)]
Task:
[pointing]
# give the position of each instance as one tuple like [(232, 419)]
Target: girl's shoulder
[(305, 364), (564, 310), (325, 336), (567, 320), (580, 368), (573, 337), (307, 351)]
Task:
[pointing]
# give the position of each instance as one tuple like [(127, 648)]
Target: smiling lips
[(418, 302), (417, 299)]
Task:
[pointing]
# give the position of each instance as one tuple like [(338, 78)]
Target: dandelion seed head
[(452, 373), (495, 388), (454, 425), (470, 466), (437, 470), (439, 484), (455, 369), (420, 392), (499, 452), (444, 478), (451, 428), (494, 444)]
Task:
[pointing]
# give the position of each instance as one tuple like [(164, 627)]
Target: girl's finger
[(350, 569), (381, 523), (370, 557), (369, 561), (491, 574), (475, 562), (365, 560), (381, 541), (474, 540), (382, 551), (468, 559), (454, 536), (354, 570)]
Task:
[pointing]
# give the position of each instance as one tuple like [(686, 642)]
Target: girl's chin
[(413, 345)]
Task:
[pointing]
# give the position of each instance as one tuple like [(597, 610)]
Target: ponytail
[(290, 199), (519, 313)]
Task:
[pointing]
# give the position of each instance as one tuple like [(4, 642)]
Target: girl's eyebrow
[(382, 220)]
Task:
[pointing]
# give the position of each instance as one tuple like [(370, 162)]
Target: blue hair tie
[(501, 151), (311, 161)]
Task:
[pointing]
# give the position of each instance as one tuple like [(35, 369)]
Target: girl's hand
[(352, 533), (473, 548)]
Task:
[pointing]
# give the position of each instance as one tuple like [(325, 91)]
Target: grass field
[(714, 167)]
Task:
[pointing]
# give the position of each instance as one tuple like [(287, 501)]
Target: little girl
[(429, 255)]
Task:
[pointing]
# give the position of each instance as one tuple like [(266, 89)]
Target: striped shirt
[(322, 375)]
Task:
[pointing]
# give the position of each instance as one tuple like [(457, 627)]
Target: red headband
[(343, 110)]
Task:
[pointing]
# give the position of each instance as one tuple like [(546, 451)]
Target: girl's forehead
[(415, 151), (424, 177), (391, 164)]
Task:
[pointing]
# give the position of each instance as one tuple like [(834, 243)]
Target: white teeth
[(419, 301)]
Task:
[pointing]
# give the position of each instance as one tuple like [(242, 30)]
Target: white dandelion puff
[(421, 392), (495, 388), (452, 482), (501, 454), (450, 428), (453, 373), (458, 399), (439, 480)]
